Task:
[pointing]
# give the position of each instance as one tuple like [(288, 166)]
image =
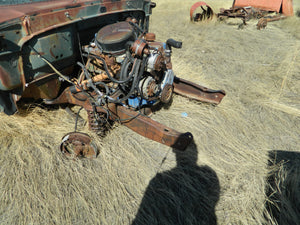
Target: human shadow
[(186, 194), (283, 187)]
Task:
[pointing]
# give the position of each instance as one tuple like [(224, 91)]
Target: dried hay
[(227, 179)]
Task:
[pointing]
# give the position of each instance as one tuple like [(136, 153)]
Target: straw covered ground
[(244, 164)]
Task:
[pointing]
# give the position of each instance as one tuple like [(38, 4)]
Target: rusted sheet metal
[(205, 14), (10, 12), (73, 96), (46, 21), (268, 5), (43, 88), (5, 78), (10, 78), (37, 18), (287, 7), (197, 92)]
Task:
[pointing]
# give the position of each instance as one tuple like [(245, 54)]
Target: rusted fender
[(281, 6), (197, 92), (200, 4)]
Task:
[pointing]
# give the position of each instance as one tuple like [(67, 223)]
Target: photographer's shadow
[(186, 194)]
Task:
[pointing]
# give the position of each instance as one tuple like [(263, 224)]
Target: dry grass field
[(244, 165)]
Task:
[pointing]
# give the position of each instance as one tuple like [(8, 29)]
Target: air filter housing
[(112, 38)]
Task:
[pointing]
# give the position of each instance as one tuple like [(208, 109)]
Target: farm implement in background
[(246, 10), (97, 55)]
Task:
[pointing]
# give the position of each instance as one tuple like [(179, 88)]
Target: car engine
[(127, 66)]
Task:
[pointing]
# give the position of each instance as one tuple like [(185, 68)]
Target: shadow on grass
[(186, 194), (283, 187)]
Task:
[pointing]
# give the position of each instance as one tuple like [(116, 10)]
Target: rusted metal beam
[(74, 96), (149, 128), (197, 92), (134, 120), (262, 23)]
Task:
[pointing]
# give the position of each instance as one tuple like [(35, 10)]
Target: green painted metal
[(57, 47)]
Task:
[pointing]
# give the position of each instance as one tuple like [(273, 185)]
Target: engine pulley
[(148, 87), (166, 94)]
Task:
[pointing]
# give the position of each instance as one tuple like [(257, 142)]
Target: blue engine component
[(137, 102)]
